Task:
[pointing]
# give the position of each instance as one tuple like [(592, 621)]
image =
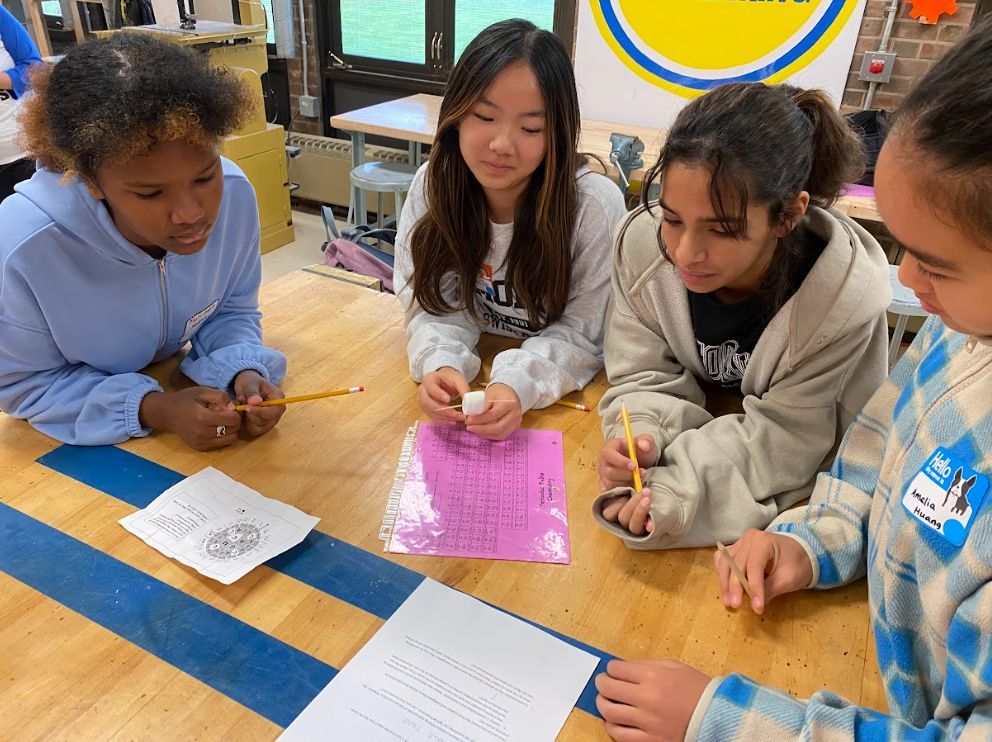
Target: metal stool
[(381, 177), (904, 305)]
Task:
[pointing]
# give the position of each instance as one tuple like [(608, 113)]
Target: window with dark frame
[(382, 50)]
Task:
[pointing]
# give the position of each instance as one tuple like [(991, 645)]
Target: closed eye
[(479, 116)]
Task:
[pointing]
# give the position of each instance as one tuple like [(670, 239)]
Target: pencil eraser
[(473, 403)]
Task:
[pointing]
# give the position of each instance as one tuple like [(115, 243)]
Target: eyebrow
[(529, 114), (934, 260), (211, 166), (709, 219)]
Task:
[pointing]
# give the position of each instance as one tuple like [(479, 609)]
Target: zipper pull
[(161, 266)]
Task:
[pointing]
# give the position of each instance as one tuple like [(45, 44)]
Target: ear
[(957, 476), (794, 210), (969, 483)]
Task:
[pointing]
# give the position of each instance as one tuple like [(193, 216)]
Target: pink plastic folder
[(457, 494)]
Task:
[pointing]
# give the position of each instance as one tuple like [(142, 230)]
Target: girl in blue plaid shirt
[(907, 500)]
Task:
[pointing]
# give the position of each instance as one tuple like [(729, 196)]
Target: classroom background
[(344, 85)]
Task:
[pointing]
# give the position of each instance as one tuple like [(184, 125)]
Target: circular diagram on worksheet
[(233, 541)]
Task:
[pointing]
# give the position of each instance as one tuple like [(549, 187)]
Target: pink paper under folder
[(460, 495)]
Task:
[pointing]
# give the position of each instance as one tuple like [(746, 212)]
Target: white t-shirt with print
[(9, 106)]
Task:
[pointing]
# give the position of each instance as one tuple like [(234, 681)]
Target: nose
[(502, 142), (911, 277), (688, 251), (186, 209)]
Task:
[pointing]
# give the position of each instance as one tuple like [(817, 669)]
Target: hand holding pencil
[(763, 563)]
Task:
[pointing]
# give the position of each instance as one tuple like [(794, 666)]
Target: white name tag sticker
[(945, 496), (196, 320)]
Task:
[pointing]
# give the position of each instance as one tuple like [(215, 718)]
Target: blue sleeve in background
[(21, 48)]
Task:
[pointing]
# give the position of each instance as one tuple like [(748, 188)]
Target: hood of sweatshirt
[(847, 287)]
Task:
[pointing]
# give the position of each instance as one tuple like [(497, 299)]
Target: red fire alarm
[(876, 66)]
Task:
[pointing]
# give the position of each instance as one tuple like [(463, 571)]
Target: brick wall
[(294, 70), (917, 45)]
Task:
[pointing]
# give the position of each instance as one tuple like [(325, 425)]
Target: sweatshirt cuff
[(696, 720), (521, 382), (132, 408), (666, 515), (230, 371), (439, 358)]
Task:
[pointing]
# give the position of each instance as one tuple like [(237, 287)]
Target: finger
[(722, 576), (621, 733), (617, 460), (618, 713), (623, 517), (458, 383), (611, 510), (625, 670), (757, 563), (497, 431), (639, 516)]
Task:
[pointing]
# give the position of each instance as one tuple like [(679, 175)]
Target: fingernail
[(756, 604)]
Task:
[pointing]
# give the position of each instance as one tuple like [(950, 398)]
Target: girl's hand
[(631, 512), (251, 388), (502, 416), (649, 700), (773, 564), (437, 390), (204, 418), (615, 467)]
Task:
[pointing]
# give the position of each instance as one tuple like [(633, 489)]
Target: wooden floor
[(64, 676)]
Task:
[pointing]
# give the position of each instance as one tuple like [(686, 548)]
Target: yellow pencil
[(302, 398), (631, 449), (573, 405), (735, 568)]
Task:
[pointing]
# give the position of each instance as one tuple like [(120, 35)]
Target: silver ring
[(221, 431)]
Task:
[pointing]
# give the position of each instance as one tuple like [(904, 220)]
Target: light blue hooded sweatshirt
[(83, 310)]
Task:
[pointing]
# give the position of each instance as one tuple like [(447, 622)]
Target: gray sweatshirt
[(818, 361), (562, 357)]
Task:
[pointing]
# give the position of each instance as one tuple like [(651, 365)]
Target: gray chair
[(381, 177), (904, 305)]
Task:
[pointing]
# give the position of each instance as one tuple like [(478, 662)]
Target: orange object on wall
[(928, 11)]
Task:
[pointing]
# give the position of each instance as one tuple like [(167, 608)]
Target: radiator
[(322, 168)]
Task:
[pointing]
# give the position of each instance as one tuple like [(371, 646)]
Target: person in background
[(17, 55)]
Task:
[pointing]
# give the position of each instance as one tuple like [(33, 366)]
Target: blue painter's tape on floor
[(130, 478), (258, 671), (346, 572)]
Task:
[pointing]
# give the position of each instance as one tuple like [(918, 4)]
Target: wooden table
[(414, 119), (67, 676)]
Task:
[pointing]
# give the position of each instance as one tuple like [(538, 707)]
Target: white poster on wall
[(640, 61)]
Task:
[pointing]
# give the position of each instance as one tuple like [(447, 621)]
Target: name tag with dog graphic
[(945, 496)]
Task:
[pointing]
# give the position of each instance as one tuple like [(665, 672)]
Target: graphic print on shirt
[(496, 295), (722, 363), (945, 495)]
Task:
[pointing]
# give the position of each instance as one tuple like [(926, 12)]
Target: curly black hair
[(111, 99)]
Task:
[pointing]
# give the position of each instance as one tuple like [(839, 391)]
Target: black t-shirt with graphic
[(727, 333)]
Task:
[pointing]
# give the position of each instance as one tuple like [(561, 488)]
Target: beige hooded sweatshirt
[(818, 361)]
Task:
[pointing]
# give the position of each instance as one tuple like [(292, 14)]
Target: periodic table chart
[(457, 494)]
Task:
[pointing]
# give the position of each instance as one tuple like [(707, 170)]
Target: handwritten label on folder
[(457, 494)]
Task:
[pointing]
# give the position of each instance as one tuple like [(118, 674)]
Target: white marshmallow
[(473, 403)]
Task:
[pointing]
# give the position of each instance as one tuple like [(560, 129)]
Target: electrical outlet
[(310, 106)]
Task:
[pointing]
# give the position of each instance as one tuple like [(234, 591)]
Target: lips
[(191, 238), (927, 306), (691, 277), (495, 168)]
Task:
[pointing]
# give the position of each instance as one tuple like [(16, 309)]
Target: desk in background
[(136, 645), (414, 119)]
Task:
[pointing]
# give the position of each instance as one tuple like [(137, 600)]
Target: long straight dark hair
[(763, 145), (454, 234)]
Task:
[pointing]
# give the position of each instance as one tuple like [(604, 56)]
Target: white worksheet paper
[(448, 668), (218, 526)]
